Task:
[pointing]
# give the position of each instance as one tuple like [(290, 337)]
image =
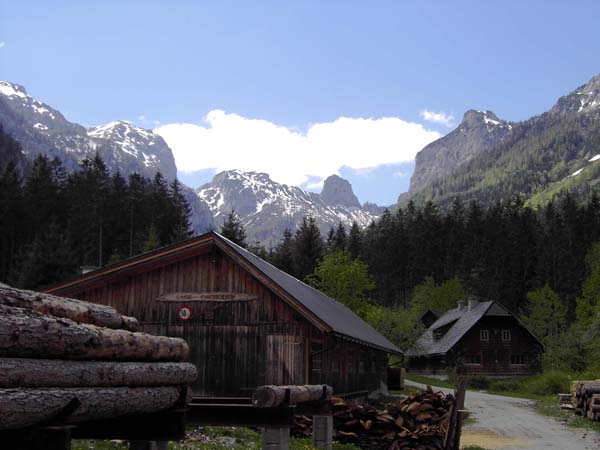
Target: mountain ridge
[(124, 147), (534, 159), (266, 208)]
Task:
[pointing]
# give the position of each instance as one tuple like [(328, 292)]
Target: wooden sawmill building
[(247, 322)]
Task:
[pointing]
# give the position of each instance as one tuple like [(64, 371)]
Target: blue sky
[(283, 70)]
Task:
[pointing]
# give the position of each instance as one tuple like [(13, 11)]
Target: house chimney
[(460, 304), (473, 302)]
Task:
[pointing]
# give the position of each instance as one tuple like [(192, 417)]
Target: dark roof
[(341, 319), (331, 314), (460, 322)]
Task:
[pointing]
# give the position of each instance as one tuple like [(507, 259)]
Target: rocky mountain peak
[(338, 191), (478, 132), (584, 99), (124, 147), (266, 207), (12, 89)]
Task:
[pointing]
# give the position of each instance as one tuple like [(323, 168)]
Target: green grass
[(473, 447), (212, 438)]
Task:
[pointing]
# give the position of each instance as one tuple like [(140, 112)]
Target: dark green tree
[(308, 247), (233, 229)]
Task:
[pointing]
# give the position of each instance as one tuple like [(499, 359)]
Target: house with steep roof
[(478, 338), (247, 322)]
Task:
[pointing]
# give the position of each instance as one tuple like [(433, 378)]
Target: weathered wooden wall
[(495, 354), (236, 345)]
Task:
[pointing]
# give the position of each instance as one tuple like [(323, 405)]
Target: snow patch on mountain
[(266, 207)]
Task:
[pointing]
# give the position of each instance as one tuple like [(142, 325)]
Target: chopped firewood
[(420, 421)]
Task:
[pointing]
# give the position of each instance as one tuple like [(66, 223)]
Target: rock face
[(490, 160), (338, 192), (583, 100), (40, 129), (267, 208), (478, 132)]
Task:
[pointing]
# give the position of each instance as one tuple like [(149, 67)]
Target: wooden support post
[(322, 432), (275, 438)]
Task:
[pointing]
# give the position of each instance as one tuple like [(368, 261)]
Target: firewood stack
[(586, 399), (80, 361), (420, 421)]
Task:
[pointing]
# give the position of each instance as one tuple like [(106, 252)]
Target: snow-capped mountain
[(41, 129), (584, 100), (266, 208)]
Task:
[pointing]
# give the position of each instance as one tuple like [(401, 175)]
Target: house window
[(473, 359), (518, 359), (505, 335), (484, 335)]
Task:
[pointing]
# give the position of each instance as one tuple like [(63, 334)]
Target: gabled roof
[(323, 311), (460, 322)]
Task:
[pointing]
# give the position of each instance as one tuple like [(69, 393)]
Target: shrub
[(506, 385), (551, 382), (478, 382)]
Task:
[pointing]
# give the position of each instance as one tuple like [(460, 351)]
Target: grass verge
[(211, 438)]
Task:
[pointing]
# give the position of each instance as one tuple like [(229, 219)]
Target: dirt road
[(509, 423)]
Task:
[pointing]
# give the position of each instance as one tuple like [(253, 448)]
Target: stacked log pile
[(80, 361), (420, 421), (586, 399)]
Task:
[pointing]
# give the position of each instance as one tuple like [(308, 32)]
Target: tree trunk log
[(68, 308), (272, 396), (24, 407), (25, 333), (35, 373)]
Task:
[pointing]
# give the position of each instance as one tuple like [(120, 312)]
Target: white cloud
[(142, 117), (229, 141), (439, 117), (2, 44)]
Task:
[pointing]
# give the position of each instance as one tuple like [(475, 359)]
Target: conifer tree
[(181, 213), (11, 218), (283, 256), (354, 240), (308, 247), (233, 229)]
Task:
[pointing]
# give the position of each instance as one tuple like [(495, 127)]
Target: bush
[(552, 382), (506, 385), (478, 382)]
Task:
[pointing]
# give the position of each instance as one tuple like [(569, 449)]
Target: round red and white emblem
[(184, 313)]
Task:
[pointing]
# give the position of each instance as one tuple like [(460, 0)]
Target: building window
[(518, 359), (473, 359), (505, 335), (484, 335)]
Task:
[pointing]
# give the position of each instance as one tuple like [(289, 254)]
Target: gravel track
[(509, 423)]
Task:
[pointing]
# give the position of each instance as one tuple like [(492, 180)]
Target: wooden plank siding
[(492, 357), (236, 345)]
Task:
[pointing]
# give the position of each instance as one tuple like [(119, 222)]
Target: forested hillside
[(547, 154), (543, 264), (52, 223)]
